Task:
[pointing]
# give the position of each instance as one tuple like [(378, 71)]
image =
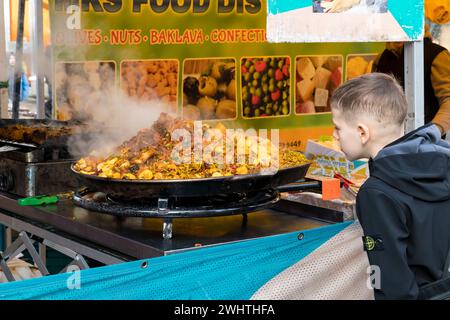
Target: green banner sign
[(203, 59)]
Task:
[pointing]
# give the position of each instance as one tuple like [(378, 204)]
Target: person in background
[(404, 206), (48, 81), (436, 77), (24, 84)]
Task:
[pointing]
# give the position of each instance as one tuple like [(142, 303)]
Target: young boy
[(404, 207)]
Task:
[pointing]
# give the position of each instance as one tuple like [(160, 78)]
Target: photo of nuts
[(209, 89), (152, 80), (316, 79), (265, 86)]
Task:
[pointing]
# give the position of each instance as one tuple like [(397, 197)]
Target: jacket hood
[(417, 164)]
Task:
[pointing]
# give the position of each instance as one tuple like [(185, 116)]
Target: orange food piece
[(331, 189)]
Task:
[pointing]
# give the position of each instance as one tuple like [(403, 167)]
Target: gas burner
[(169, 208)]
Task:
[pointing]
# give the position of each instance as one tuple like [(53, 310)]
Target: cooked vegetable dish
[(150, 156)]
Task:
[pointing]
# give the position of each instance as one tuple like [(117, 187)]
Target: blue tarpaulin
[(232, 271)]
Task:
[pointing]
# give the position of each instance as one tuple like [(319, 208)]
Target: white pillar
[(6, 8), (414, 85), (38, 56), (3, 66)]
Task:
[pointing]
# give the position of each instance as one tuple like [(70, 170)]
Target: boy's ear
[(364, 132)]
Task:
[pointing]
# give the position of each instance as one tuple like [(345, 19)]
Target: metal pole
[(414, 84), (8, 237), (3, 66), (38, 58), (7, 16), (18, 66)]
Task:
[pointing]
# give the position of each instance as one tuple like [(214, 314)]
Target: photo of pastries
[(151, 80), (209, 89), (316, 79), (357, 65)]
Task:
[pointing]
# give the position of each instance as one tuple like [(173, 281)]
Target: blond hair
[(376, 95)]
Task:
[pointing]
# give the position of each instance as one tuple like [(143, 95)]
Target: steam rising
[(87, 91), (112, 119)]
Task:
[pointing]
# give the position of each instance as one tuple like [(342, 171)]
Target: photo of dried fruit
[(360, 64), (80, 86), (265, 86), (316, 79), (151, 80), (209, 89)]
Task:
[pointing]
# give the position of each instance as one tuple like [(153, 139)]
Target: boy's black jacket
[(405, 206)]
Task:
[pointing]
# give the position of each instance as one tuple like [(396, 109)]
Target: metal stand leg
[(3, 237), (78, 261), (43, 253), (244, 220), (167, 229), (14, 249), (23, 242), (163, 208), (36, 258), (8, 235), (5, 269), (48, 239)]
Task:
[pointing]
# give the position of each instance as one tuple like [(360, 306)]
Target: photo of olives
[(151, 80), (316, 79), (265, 86), (209, 89)]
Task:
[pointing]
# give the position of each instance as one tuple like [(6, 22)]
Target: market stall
[(127, 203), (40, 152), (88, 216)]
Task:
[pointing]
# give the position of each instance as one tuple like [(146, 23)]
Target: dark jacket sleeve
[(384, 218)]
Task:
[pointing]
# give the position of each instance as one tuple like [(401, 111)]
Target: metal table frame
[(31, 234)]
